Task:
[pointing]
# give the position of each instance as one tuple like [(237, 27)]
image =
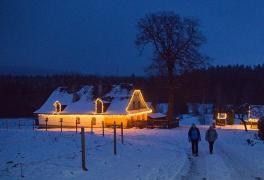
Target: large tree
[(176, 41)]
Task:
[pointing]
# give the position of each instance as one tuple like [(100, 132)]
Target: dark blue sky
[(97, 37)]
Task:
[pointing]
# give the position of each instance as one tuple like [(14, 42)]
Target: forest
[(219, 85)]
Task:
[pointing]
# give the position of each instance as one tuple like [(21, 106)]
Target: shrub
[(231, 119), (261, 128)]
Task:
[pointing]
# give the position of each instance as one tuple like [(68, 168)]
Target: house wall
[(85, 120), (70, 120), (109, 120)]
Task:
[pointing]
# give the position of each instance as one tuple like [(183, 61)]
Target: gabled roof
[(66, 99), (84, 105), (61, 95), (118, 97), (117, 106), (116, 101)]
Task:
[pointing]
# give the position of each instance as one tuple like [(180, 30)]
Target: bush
[(261, 128), (231, 119)]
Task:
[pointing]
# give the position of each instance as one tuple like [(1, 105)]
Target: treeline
[(21, 95)]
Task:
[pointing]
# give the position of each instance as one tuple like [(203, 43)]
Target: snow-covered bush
[(261, 127)]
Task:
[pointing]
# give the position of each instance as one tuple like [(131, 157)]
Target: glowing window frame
[(56, 104), (98, 99), (221, 115), (141, 98)]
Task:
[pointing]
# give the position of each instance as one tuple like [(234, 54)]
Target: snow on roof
[(59, 94), (156, 115), (118, 106), (118, 91), (84, 105)]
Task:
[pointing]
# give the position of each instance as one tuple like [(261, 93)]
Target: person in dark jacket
[(210, 136), (194, 137)]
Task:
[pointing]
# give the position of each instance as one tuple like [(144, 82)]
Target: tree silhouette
[(175, 41)]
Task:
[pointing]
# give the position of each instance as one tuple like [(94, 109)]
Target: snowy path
[(228, 162), (147, 154)]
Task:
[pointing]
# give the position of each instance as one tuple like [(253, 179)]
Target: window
[(99, 106), (221, 116), (57, 106)]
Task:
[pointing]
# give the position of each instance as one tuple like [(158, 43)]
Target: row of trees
[(21, 95)]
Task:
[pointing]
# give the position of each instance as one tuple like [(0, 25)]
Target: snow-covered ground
[(145, 154)]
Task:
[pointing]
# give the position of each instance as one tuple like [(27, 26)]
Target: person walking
[(194, 137), (210, 136)]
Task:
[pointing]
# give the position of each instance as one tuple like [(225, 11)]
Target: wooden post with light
[(76, 123), (83, 149), (46, 120), (91, 126), (103, 127), (93, 122), (61, 120), (122, 133), (114, 138)]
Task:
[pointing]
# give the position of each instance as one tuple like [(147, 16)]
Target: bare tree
[(175, 41)]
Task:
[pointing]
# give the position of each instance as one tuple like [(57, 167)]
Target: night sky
[(97, 37)]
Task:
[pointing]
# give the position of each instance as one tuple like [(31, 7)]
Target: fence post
[(61, 120), (76, 123), (19, 123), (114, 138), (91, 126), (46, 120), (122, 133), (103, 127), (83, 149)]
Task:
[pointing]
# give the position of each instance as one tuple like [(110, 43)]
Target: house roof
[(117, 106), (116, 103), (59, 94), (65, 98), (156, 115)]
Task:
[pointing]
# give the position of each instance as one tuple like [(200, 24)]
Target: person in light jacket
[(194, 137), (210, 136)]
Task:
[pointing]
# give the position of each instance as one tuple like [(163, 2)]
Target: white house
[(118, 105)]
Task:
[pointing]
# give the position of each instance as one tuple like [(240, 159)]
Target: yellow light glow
[(221, 115), (71, 118), (57, 107), (102, 108), (253, 119), (148, 110)]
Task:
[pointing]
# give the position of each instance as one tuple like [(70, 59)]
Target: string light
[(221, 115), (102, 107), (100, 115), (57, 106)]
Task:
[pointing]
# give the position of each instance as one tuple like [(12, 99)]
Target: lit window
[(221, 116), (99, 106), (57, 106)]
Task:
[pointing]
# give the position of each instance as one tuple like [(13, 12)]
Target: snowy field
[(145, 154)]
